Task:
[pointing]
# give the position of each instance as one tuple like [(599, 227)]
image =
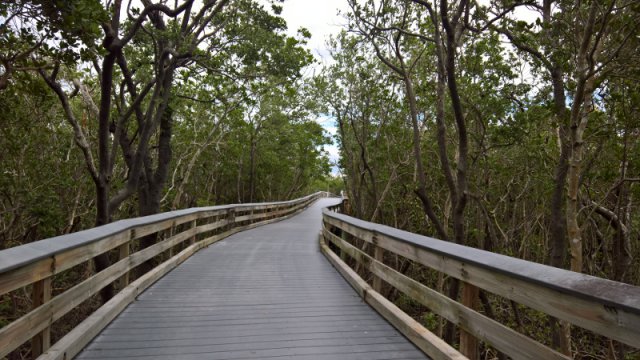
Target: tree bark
[(253, 148), (452, 31), (152, 182)]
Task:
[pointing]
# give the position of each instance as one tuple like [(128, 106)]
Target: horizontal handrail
[(36, 263), (17, 256), (605, 307)]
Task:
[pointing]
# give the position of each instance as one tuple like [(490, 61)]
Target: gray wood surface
[(259, 294), (603, 306)]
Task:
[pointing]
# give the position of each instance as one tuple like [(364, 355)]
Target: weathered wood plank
[(425, 340), (72, 343), (212, 226), (420, 336), (299, 308), (378, 254), (124, 251), (19, 331), (22, 256), (243, 218), (194, 238), (116, 235), (559, 293), (41, 269), (468, 343), (149, 229), (506, 340), (41, 294), (254, 216), (210, 213), (352, 278)]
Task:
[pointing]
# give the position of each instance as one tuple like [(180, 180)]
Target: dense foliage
[(510, 126), (117, 110)]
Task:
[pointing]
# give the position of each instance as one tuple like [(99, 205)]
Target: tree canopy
[(495, 125), (510, 126)]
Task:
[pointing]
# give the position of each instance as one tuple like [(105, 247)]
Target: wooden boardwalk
[(264, 293)]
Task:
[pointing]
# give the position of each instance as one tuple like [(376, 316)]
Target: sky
[(319, 17), (322, 20)]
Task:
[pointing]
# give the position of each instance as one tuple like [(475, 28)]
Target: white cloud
[(319, 17), (328, 123), (334, 153)]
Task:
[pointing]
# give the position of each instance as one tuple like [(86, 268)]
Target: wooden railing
[(607, 308), (181, 233)]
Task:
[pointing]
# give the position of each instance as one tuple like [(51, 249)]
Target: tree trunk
[(579, 119), (252, 167), (103, 211), (561, 334), (421, 191), (175, 204), (622, 243), (152, 183), (452, 32)]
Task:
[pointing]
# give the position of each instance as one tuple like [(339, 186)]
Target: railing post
[(40, 295), (378, 254), (123, 252), (193, 239), (344, 236), (468, 343), (172, 232), (231, 218)]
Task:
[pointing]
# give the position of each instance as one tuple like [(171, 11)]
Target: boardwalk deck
[(264, 293)]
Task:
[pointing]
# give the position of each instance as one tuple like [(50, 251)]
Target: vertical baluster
[(468, 343), (344, 236), (124, 251), (193, 239), (40, 295), (172, 231), (231, 219), (378, 254)]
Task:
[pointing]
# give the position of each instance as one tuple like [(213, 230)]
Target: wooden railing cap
[(608, 293)]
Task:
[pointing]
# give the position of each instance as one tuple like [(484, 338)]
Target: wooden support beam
[(72, 343), (421, 337), (378, 254), (55, 264), (40, 295), (172, 232), (231, 219), (35, 264), (610, 309), (193, 238), (124, 251), (468, 343), (504, 339)]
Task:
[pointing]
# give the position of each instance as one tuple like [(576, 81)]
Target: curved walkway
[(265, 293)]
